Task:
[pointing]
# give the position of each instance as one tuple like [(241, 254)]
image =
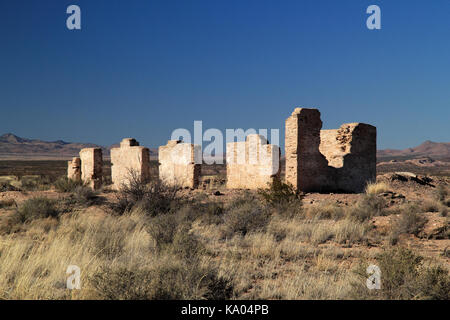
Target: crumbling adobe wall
[(92, 167), (306, 168), (252, 164), (343, 159), (129, 161), (74, 169), (180, 164), (351, 150)]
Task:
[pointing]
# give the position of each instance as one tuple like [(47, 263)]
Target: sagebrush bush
[(169, 281), (430, 206), (6, 186), (83, 195), (403, 276), (36, 208), (367, 207), (244, 215), (153, 198), (410, 221), (29, 210), (39, 183), (280, 193), (7, 203), (441, 193), (326, 210), (64, 184)]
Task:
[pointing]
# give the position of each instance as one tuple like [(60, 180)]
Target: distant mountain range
[(435, 150), (14, 147)]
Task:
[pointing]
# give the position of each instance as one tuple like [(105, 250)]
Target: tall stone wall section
[(92, 166), (328, 160), (351, 151), (252, 164), (306, 168), (74, 169), (129, 161), (180, 164)]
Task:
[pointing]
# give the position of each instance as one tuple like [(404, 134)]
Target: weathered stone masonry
[(252, 164), (92, 166), (74, 169), (180, 164), (328, 160), (129, 161)]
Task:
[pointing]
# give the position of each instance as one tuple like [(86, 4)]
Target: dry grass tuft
[(377, 187)]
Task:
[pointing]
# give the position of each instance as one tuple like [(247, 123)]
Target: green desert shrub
[(152, 198), (171, 280), (279, 193), (6, 186), (36, 208), (410, 221), (369, 206), (326, 210), (65, 184), (403, 276), (7, 203), (244, 215), (30, 210)]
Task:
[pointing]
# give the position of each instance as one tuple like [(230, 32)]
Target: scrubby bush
[(64, 184), (326, 210), (367, 207), (404, 276), (170, 281), (6, 186), (375, 188), (39, 183), (30, 210), (430, 206), (279, 193), (410, 221), (7, 203), (441, 193), (244, 215), (153, 198), (36, 208), (85, 196)]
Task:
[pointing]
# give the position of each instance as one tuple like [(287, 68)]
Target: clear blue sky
[(143, 68)]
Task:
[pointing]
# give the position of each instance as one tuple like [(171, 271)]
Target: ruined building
[(252, 164), (343, 159), (92, 167), (74, 169), (129, 161), (180, 164)]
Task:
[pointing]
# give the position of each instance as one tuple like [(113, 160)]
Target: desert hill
[(14, 147), (435, 150)]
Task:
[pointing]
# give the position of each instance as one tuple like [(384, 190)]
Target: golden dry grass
[(377, 187), (312, 254)]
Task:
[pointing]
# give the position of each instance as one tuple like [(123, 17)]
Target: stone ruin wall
[(351, 151), (342, 159), (328, 160), (74, 169), (180, 164), (129, 161), (92, 167), (306, 167), (252, 164)]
